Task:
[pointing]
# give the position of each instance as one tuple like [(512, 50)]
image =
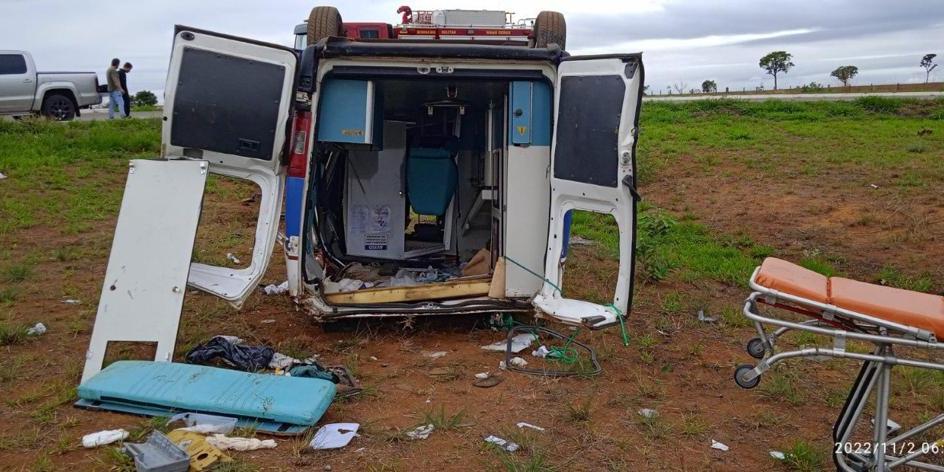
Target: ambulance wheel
[(324, 22), (755, 347), (740, 371), (549, 28)]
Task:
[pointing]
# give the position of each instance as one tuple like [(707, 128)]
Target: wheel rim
[(60, 109)]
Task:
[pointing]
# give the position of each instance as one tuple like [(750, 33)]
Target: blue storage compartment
[(530, 112), (350, 111)]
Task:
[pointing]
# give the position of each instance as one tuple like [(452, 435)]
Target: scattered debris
[(268, 321), (420, 432), (891, 426), (2, 176), (778, 455), (232, 352), (102, 438), (158, 453), (345, 285), (541, 352), (202, 454), (71, 301), (345, 383), (482, 375), (373, 358), (334, 435), (719, 446), (205, 424), (705, 318), (488, 382), (581, 241), (531, 426), (281, 361), (434, 355), (442, 372), (225, 443), (873, 185), (234, 259), (648, 413), (479, 264), (518, 343), (273, 289), (515, 362), (502, 443), (37, 329)]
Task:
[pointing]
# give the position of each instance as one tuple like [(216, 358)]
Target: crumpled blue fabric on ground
[(233, 352)]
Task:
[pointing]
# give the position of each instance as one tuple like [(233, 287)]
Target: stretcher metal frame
[(884, 452)]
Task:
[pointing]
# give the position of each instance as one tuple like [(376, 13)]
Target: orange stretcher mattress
[(920, 310)]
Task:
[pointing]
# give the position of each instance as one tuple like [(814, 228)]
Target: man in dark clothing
[(123, 78)]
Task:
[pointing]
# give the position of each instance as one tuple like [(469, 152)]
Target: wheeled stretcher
[(844, 309)]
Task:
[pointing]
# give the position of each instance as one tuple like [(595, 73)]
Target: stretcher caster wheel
[(741, 371), (756, 348)]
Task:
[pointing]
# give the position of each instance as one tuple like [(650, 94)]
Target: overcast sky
[(683, 41)]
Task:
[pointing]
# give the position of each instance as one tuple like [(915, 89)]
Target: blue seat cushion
[(431, 176), (197, 388)]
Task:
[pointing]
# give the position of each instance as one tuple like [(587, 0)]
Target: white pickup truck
[(58, 95)]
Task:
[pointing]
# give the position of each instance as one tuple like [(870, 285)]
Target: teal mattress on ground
[(272, 403)]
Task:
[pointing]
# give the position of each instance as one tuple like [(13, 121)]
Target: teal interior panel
[(530, 112), (157, 386), (520, 103), (350, 111)]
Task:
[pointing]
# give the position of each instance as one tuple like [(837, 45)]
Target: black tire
[(549, 28), (324, 22), (756, 349), (741, 370), (59, 107)]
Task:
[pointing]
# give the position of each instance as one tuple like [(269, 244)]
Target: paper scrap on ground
[(2, 176), (281, 361), (541, 352), (71, 301), (334, 435), (421, 432), (704, 318), (648, 413), (273, 289), (502, 443), (225, 443), (232, 258), (36, 330), (102, 438), (481, 375), (434, 355), (529, 425), (719, 446), (518, 343), (778, 455)]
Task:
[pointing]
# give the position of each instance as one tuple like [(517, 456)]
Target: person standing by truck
[(115, 92), (126, 95)]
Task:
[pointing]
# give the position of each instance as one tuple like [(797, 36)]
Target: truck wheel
[(324, 22), (58, 107), (549, 28)]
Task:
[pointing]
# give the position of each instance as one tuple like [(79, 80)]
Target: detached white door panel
[(228, 101), (147, 270), (593, 169)]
